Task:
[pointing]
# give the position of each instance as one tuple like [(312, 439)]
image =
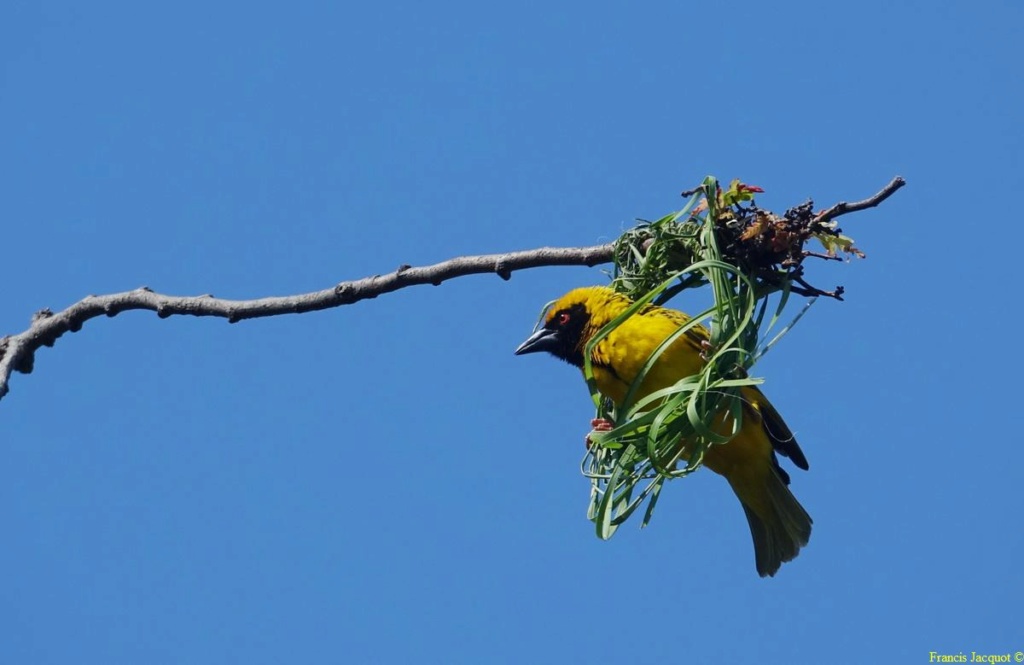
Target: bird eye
[(563, 318)]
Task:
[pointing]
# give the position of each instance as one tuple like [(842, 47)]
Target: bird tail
[(779, 525)]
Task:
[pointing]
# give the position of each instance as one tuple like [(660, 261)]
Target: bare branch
[(17, 352), (843, 207)]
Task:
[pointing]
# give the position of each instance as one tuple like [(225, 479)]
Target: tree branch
[(843, 207), (17, 352)]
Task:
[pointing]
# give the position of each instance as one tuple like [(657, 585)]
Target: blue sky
[(386, 482)]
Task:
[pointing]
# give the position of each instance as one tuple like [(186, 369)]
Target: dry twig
[(17, 352), (843, 207)]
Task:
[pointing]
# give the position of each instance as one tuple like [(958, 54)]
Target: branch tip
[(843, 207)]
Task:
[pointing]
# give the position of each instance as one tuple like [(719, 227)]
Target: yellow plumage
[(778, 523)]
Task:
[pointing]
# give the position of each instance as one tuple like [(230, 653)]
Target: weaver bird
[(779, 525)]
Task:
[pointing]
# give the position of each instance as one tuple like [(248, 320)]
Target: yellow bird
[(779, 525)]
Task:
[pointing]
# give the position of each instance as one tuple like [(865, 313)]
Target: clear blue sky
[(386, 482)]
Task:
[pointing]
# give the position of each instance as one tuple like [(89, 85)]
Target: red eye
[(563, 318)]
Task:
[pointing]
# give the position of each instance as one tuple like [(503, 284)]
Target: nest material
[(768, 247)]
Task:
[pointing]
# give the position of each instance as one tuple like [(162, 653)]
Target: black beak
[(544, 339)]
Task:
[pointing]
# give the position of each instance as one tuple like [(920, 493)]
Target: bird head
[(571, 321)]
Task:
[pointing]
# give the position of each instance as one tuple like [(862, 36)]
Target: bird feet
[(598, 425)]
